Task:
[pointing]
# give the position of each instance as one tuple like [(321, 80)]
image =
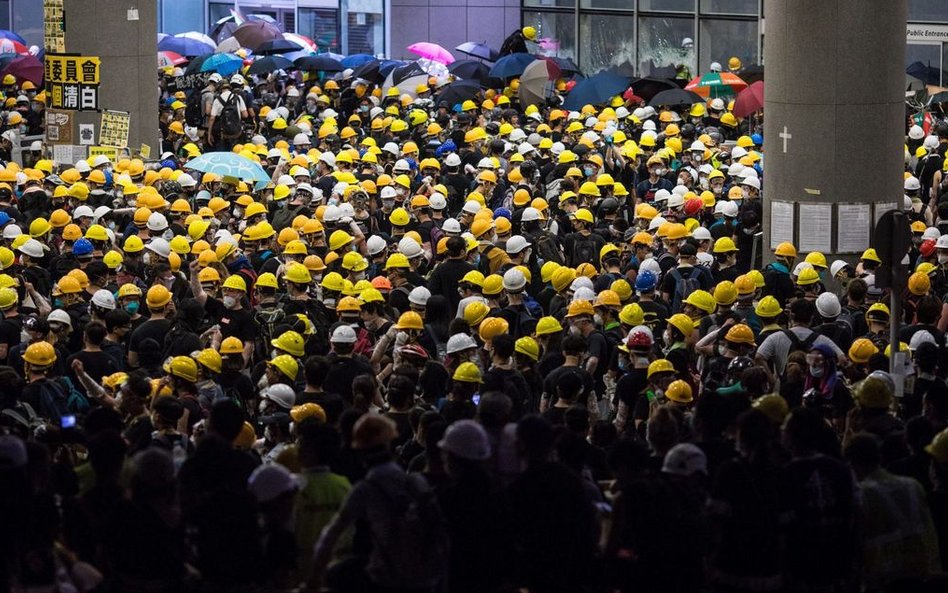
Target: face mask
[(229, 302), (132, 307), (658, 171), (146, 259), (623, 365), (667, 337), (816, 371), (574, 331), (598, 319), (716, 190), (588, 171), (703, 182), (682, 181), (748, 231), (943, 258)]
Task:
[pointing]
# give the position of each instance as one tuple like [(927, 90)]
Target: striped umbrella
[(716, 84)]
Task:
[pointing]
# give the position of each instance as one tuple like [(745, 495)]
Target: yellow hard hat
[(683, 323), (290, 342), (40, 354), (768, 307), (235, 282), (701, 299), (492, 327), (158, 296), (182, 366), (660, 365), (410, 320)]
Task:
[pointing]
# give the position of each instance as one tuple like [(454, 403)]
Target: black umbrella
[(673, 97), (941, 97), (194, 66), (648, 87), (402, 73), (458, 92), (313, 63), (567, 66), (752, 73), (596, 90), (469, 69), (276, 46), (269, 64), (369, 71), (478, 50)]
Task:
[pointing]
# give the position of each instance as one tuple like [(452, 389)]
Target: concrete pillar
[(834, 113), (124, 35)]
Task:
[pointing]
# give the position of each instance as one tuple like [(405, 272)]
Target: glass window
[(666, 41), (178, 16), (5, 14), (322, 26), (720, 40), (924, 62), (550, 3), (668, 5), (366, 27), (215, 11), (610, 4), (28, 21), (555, 32), (928, 10), (729, 6), (607, 41)]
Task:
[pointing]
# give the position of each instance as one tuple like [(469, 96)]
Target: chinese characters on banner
[(54, 38), (72, 81), (114, 129)]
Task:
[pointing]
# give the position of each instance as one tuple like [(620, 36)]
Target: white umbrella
[(197, 36), (229, 45)]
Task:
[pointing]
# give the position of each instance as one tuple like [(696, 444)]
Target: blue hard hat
[(4, 218), (502, 213), (645, 281), (82, 247), (757, 139)]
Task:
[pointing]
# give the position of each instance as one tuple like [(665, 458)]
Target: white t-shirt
[(776, 347), (218, 106)]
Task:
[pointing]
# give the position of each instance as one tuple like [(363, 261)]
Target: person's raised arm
[(196, 289)]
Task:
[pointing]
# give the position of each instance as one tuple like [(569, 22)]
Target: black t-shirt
[(10, 334), (153, 328), (343, 371), (234, 323), (553, 379), (331, 403), (96, 364)]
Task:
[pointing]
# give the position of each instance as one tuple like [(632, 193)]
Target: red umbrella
[(25, 68), (749, 100)]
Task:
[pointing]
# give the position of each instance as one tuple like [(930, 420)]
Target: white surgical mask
[(816, 371), (229, 302)]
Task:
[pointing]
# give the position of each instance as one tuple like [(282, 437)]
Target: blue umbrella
[(510, 65), (185, 46), (6, 34), (595, 90), (356, 60), (228, 164), (478, 50), (223, 64)]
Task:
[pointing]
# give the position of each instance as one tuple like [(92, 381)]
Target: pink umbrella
[(300, 40), (749, 100), (170, 58), (431, 51)]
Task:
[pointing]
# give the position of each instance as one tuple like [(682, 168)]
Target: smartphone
[(67, 422), (476, 398)]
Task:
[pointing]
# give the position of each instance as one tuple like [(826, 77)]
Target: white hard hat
[(301, 139), (437, 201), (685, 459), (82, 166), (525, 148), (715, 67), (932, 233), (286, 180), (751, 182), (581, 282), (837, 266), (99, 160), (391, 148), (59, 316), (661, 195), (104, 299), (419, 295), (717, 104), (410, 248), (912, 184), (157, 222), (921, 337), (452, 160), (530, 214), (804, 265), (402, 166), (827, 305), (328, 158), (471, 207), (942, 242), (375, 244), (82, 212), (269, 482), (331, 214), (100, 212), (517, 135), (344, 334), (11, 231), (387, 193), (451, 225), (159, 246), (466, 439), (656, 222), (916, 132), (622, 112), (651, 265), (459, 342), (584, 293), (730, 209), (237, 79), (516, 244), (931, 142), (514, 280), (738, 152), (705, 259), (697, 146), (282, 394), (32, 248), (675, 201), (185, 180), (485, 163), (701, 234)]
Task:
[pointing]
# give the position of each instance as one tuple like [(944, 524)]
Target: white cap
[(269, 482), (104, 299), (516, 244), (459, 342), (344, 334)]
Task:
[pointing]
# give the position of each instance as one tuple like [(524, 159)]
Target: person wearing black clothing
[(445, 278), (344, 367), (95, 362), (503, 376), (315, 371)]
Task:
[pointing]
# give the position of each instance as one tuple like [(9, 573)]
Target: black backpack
[(584, 250), (798, 345), (193, 113), (547, 249), (684, 285), (231, 125)]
